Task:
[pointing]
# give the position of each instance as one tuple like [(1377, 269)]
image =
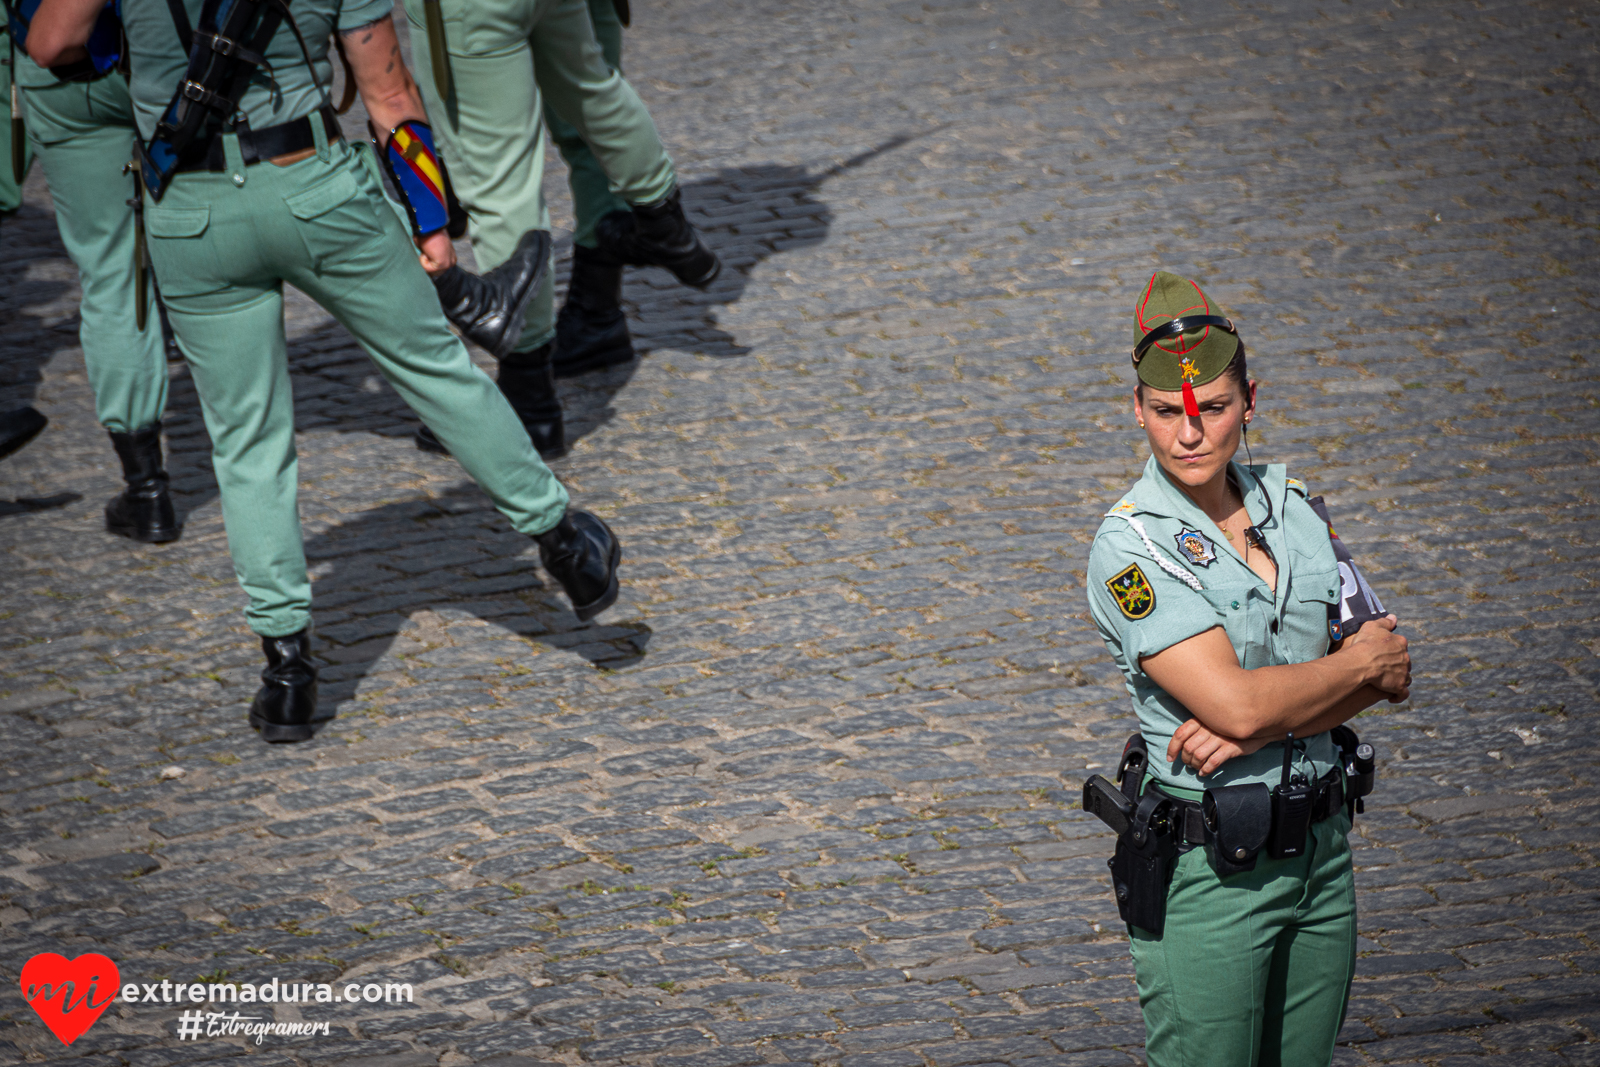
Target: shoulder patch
[(1297, 485), (1132, 592), (1126, 507)]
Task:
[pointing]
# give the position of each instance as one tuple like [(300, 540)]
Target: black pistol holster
[(1148, 837)]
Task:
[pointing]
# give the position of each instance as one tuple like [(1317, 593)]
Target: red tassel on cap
[(1190, 408)]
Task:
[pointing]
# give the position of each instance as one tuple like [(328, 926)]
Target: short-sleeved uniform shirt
[(291, 91), (1161, 572)]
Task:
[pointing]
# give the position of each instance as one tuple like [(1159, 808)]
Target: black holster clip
[(1141, 867)]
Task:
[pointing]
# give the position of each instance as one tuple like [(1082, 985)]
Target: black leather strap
[(270, 142), (180, 22), (1179, 325)]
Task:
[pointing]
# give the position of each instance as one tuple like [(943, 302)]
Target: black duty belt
[(270, 142), (1189, 822)]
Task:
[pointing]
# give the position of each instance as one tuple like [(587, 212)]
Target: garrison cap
[(1183, 340)]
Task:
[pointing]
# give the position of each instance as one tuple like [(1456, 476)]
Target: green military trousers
[(592, 198), (1252, 970), (83, 133), (507, 59), (10, 190), (223, 252)]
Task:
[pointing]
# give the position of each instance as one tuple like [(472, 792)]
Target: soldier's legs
[(221, 253), (376, 288), (586, 91), (493, 136), (592, 197), (1314, 961), (83, 133), (1239, 954)]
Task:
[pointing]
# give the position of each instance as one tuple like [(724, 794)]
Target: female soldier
[(1211, 583)]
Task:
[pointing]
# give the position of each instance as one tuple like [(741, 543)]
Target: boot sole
[(277, 733), (609, 597), (150, 537)]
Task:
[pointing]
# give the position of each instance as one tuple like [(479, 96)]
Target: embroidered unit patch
[(1196, 547), (1132, 592)]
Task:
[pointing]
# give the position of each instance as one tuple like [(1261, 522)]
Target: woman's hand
[(1205, 751), (1388, 663)]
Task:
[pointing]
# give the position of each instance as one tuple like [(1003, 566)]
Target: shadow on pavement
[(457, 557), (750, 214)]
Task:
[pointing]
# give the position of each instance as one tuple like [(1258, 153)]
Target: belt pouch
[(1141, 867), (1238, 820)]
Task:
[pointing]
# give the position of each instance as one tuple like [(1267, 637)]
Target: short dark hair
[(1236, 369)]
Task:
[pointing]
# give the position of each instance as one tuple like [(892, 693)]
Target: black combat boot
[(658, 235), (591, 331), (19, 427), (526, 381), (487, 308), (142, 511), (582, 554), (285, 707)]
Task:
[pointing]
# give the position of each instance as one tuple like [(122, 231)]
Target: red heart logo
[(66, 992)]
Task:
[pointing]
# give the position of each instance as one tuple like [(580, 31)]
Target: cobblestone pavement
[(807, 794)]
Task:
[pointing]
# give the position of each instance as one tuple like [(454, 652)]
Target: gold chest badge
[(1132, 592)]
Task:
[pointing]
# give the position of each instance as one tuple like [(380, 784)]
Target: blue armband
[(420, 179)]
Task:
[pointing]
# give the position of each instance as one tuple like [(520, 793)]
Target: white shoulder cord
[(1161, 558)]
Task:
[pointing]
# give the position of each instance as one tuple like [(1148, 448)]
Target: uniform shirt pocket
[(1311, 578), (1314, 588), (1240, 610)]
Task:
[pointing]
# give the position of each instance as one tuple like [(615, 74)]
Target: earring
[(1141, 426)]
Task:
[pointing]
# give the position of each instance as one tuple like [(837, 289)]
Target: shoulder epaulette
[(1123, 507), (1297, 485)]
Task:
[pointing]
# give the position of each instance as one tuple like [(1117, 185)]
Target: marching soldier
[(247, 184), (79, 118), (492, 66), (1213, 584)]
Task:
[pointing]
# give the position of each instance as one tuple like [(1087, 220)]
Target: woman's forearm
[(1203, 673), (1292, 699), (1341, 712)]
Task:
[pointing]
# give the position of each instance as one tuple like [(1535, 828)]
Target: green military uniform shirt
[(292, 91), (1161, 572)]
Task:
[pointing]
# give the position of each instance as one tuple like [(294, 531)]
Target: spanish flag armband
[(422, 182)]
